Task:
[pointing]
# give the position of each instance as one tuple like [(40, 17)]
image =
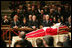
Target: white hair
[(22, 33), (15, 17), (47, 15), (30, 15)]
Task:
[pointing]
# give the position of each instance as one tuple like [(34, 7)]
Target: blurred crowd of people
[(37, 16)]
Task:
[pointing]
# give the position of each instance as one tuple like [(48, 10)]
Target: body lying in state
[(53, 30)]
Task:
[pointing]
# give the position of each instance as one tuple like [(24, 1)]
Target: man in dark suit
[(66, 12), (24, 23), (40, 16), (15, 23), (28, 12), (12, 14), (59, 12), (52, 13), (47, 22), (34, 24), (5, 21), (38, 9), (33, 10), (29, 20), (68, 23), (54, 20)]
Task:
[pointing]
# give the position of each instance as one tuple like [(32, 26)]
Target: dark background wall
[(4, 5)]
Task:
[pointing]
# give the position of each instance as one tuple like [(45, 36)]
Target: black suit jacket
[(13, 24), (34, 23), (29, 23), (49, 23), (5, 23), (24, 24)]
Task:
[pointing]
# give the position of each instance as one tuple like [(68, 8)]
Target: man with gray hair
[(47, 22), (48, 41), (17, 38), (22, 35), (15, 23)]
